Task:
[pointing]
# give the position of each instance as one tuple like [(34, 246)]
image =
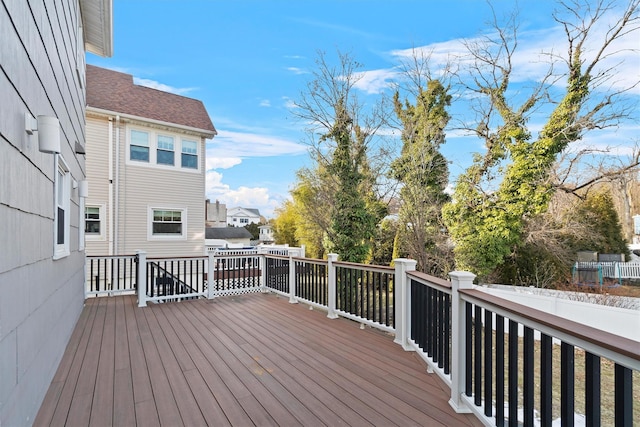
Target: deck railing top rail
[(436, 282), (367, 267), (586, 337)]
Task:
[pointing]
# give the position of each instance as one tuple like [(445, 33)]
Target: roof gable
[(114, 91), (238, 211)]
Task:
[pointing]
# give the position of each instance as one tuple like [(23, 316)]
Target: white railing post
[(331, 286), (142, 278), (459, 280), (292, 280), (210, 274), (86, 275), (402, 301), (303, 251)]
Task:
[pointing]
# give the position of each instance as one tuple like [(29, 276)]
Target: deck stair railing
[(175, 279), (507, 363)]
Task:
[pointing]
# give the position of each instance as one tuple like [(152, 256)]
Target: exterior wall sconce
[(83, 188), (48, 129)]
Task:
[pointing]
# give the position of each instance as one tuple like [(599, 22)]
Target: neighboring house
[(42, 184), (216, 214), (228, 237), (239, 217), (266, 234), (145, 167)]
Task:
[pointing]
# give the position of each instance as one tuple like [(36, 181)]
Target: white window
[(189, 154), (139, 146), (244, 220), (61, 214), (167, 223), (166, 150), (165, 154), (94, 222)]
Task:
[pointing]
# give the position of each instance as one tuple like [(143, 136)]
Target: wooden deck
[(247, 360)]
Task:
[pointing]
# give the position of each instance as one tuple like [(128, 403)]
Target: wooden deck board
[(246, 360)]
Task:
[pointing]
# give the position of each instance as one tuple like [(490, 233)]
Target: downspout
[(110, 176), (117, 187)]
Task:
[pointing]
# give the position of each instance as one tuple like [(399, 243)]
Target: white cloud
[(161, 86), (265, 103), (230, 144), (298, 71), (228, 149), (216, 162), (535, 51), (611, 142), (376, 81), (250, 197), (289, 103)]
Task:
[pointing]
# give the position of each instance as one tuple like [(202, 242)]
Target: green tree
[(423, 173), (254, 230), (352, 224), (337, 193), (512, 182), (599, 214), (285, 224), (382, 252)]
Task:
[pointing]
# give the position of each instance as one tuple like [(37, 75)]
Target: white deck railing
[(481, 345)]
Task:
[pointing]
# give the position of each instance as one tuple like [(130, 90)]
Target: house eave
[(97, 24), (205, 133)]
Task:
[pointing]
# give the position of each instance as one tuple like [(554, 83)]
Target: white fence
[(614, 270)]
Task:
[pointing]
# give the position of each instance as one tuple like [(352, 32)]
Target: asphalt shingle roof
[(227, 233), (114, 91)]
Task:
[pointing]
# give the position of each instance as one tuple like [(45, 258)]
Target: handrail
[(366, 267), (575, 333), (427, 279)]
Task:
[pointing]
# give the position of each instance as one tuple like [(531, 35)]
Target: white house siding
[(143, 187), (41, 298), (98, 177)]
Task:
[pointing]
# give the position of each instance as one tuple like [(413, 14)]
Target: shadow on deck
[(244, 360)]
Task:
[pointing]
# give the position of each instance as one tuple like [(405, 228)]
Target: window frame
[(61, 202), (179, 142), (166, 236), (165, 150), (183, 154), (101, 219), (130, 144)]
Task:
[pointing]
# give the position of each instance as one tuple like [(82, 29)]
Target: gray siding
[(41, 298)]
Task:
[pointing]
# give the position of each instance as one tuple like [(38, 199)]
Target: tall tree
[(423, 173), (511, 183), (340, 131)]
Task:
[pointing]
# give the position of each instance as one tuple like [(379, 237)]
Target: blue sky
[(249, 60)]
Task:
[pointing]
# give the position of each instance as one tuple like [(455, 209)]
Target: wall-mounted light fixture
[(83, 188), (48, 129)]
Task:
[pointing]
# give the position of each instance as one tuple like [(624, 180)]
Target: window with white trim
[(61, 214), (167, 223), (93, 219), (149, 147), (165, 154), (189, 154), (139, 146)]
